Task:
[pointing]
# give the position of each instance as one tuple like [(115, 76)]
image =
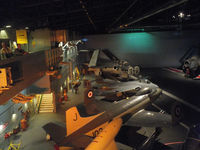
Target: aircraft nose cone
[(155, 94)]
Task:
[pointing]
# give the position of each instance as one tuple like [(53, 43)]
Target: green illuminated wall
[(147, 49), (138, 42)]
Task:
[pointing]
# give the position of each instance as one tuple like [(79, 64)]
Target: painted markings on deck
[(173, 71), (184, 125), (181, 100)]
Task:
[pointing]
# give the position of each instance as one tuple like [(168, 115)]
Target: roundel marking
[(90, 94)]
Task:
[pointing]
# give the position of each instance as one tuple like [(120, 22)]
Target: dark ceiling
[(101, 16)]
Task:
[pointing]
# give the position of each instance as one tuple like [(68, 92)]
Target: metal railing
[(40, 101)]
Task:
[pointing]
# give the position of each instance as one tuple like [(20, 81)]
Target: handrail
[(40, 103)]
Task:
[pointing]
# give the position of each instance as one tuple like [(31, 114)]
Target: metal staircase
[(46, 105)]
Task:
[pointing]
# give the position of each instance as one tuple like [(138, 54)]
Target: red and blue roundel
[(90, 94)]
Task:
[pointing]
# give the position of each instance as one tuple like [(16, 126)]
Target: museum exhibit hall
[(100, 75)]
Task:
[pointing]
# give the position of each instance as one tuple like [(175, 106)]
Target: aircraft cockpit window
[(137, 88)]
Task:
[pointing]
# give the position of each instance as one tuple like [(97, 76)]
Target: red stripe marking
[(175, 70), (173, 143)]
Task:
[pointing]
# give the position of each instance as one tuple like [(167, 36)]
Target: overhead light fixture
[(14, 117), (150, 114), (15, 44), (26, 28), (26, 106), (3, 34), (8, 26), (1, 127), (181, 15)]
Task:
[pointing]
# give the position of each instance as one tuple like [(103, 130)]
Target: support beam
[(149, 15), (35, 4), (125, 11), (87, 14)]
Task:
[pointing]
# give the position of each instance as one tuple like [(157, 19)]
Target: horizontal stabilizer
[(56, 131), (93, 60), (150, 119)]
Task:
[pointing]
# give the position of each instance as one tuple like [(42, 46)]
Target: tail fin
[(88, 96), (74, 121), (93, 60)]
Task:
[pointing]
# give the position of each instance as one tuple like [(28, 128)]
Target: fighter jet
[(112, 90), (83, 125), (114, 68)]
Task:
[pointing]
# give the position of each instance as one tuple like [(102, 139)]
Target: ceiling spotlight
[(181, 15), (8, 26), (1, 127), (3, 34), (14, 117), (26, 28), (188, 15)]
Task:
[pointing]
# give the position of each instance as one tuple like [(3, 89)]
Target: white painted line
[(181, 100), (184, 125)]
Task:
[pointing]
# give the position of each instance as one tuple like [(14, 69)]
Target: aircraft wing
[(93, 60), (149, 119), (56, 131)]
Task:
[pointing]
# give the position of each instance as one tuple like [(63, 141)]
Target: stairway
[(46, 105)]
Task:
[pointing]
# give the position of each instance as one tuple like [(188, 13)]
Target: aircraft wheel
[(177, 112)]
